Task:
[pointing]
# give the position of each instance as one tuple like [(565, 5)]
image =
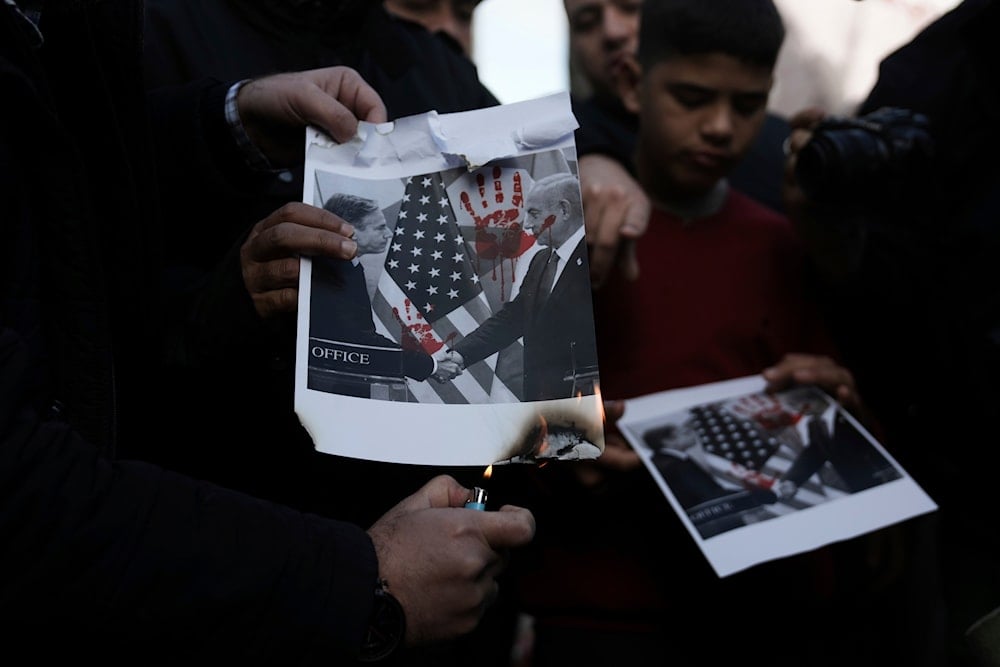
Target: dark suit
[(340, 310), (558, 333)]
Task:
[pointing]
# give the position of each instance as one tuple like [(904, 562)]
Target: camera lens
[(865, 162), (833, 164)]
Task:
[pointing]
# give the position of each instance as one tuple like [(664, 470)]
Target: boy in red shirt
[(721, 295)]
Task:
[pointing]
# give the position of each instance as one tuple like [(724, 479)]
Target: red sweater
[(717, 298)]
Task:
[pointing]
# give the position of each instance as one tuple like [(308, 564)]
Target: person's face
[(601, 34), (453, 17), (680, 438), (372, 234), (547, 217), (698, 116)]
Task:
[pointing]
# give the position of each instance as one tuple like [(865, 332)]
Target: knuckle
[(287, 270), (275, 236), (287, 299)]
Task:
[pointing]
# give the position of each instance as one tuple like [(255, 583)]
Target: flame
[(488, 472), (543, 436), (600, 403)]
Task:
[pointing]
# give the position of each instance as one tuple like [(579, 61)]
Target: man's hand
[(449, 365), (276, 109), (817, 370), (802, 124), (441, 560), (616, 213), (269, 258)]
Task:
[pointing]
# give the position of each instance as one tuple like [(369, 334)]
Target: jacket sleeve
[(500, 330), (151, 554)]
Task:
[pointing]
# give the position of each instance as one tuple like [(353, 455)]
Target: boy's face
[(698, 116)]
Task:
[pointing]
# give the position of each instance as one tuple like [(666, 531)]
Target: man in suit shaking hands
[(346, 352), (552, 310)]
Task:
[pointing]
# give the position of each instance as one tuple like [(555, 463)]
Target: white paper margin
[(422, 433), (800, 531)]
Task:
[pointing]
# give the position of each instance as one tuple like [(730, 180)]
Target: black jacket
[(121, 558), (240, 372), (186, 40)]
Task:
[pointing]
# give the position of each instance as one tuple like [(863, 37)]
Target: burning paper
[(464, 323)]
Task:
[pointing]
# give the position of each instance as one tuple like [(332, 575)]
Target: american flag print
[(429, 293), (752, 442)]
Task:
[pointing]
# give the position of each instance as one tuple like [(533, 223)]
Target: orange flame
[(543, 436), (600, 403), (488, 472)]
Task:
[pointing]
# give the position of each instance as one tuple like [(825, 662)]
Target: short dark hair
[(749, 30), (352, 208)]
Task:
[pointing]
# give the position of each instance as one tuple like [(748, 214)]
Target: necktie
[(548, 278)]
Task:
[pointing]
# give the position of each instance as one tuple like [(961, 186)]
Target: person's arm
[(150, 553), (199, 148), (616, 208), (500, 330), (616, 213), (265, 122), (134, 549)]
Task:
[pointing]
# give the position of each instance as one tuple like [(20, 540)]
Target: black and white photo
[(464, 320)]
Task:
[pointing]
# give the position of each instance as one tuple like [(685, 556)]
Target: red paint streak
[(499, 235), (774, 419), (498, 184), (415, 333), (549, 221)]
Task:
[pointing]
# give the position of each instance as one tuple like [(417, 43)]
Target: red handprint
[(499, 232), (416, 333), (769, 413)]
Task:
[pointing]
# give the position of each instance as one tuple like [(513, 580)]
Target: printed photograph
[(468, 287), (753, 458)]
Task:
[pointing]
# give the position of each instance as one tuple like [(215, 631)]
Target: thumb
[(441, 491)]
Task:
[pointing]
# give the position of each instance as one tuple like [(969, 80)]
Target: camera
[(866, 162)]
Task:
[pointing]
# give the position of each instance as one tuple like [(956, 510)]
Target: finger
[(603, 238), (440, 491), (806, 118), (295, 239), (278, 274), (307, 216), (360, 98), (512, 526), (340, 98), (637, 214), (274, 302), (796, 140)]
